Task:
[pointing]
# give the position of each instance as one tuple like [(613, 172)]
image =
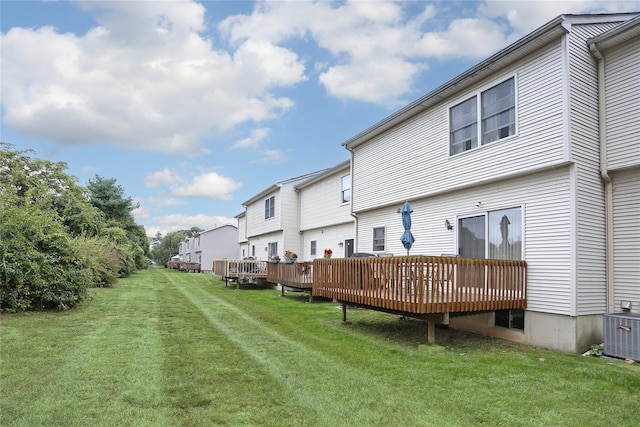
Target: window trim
[(270, 207), (485, 213), (384, 238), (477, 94), (343, 190)]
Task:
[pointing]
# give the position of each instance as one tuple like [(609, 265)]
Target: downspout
[(608, 185)]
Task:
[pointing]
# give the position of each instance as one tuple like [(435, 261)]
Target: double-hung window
[(312, 249), (494, 109), (270, 207), (378, 238), (345, 194)]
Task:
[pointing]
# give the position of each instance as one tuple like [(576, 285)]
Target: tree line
[(57, 238)]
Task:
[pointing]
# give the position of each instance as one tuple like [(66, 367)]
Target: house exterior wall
[(217, 243), (585, 152), (324, 218), (412, 159), (328, 237), (622, 100), (622, 105), (626, 242), (255, 212), (321, 204)]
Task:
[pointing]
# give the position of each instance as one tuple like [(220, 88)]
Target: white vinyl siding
[(218, 243), (419, 163), (626, 242), (326, 238), (589, 193), (623, 105), (321, 204)]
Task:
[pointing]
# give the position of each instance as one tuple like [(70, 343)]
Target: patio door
[(471, 237), (471, 244)]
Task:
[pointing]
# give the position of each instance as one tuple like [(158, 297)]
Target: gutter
[(604, 173)]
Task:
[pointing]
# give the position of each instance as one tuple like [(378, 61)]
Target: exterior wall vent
[(622, 335)]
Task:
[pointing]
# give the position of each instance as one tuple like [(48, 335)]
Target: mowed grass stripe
[(328, 386)]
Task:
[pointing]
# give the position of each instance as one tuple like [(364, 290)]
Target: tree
[(167, 246), (109, 198)]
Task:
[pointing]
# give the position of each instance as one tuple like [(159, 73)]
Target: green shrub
[(40, 266)]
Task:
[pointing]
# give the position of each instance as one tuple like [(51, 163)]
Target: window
[(270, 207), (272, 249), (378, 238), (253, 250), (313, 248), (496, 233), (499, 112), (497, 115), (345, 194), (512, 319)]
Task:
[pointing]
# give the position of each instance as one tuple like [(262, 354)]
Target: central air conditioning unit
[(622, 335)]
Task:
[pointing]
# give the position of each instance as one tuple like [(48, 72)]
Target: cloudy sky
[(195, 107)]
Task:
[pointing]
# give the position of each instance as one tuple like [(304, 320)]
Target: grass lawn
[(167, 348)]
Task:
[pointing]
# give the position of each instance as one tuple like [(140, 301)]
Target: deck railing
[(296, 275), (423, 284), (240, 269)]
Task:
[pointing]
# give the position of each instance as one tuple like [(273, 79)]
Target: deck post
[(281, 288), (431, 331), (344, 312), (310, 296)]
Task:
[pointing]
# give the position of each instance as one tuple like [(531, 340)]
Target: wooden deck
[(298, 275), (240, 271), (422, 286)]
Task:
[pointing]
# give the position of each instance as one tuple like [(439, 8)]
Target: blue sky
[(195, 107)]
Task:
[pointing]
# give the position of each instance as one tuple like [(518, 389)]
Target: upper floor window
[(378, 238), (270, 207), (345, 194), (497, 117)]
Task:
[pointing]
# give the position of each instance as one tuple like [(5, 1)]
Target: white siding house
[(217, 243), (504, 161), (271, 220), (325, 214)]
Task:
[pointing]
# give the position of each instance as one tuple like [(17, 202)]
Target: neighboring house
[(504, 161), (325, 213), (217, 243), (272, 220), (185, 250)]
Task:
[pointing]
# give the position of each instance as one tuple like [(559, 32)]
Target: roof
[(278, 185), (617, 35), (549, 32)]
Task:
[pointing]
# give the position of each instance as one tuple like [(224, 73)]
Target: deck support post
[(310, 297), (344, 312), (431, 332), (282, 288)]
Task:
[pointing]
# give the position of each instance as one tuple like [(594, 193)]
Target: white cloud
[(144, 78), (253, 141), (208, 185), (161, 178), (175, 222), (148, 76), (275, 157)]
